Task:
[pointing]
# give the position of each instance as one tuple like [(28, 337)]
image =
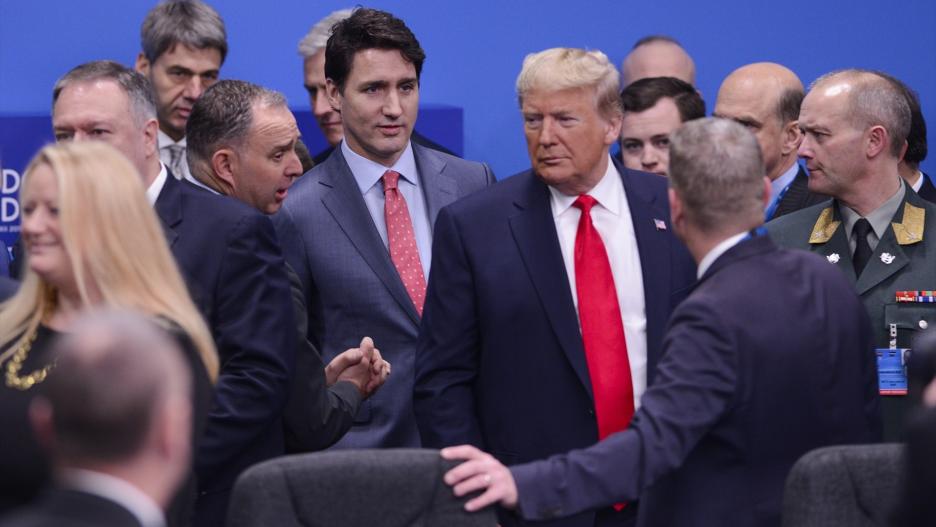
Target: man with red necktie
[(357, 228), (550, 291)]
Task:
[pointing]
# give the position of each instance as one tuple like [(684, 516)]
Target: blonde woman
[(91, 240)]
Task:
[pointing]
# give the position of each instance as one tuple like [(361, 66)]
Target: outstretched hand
[(480, 471)]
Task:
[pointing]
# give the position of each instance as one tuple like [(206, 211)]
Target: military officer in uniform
[(875, 228)]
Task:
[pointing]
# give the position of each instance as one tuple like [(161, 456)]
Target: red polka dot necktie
[(602, 328), (402, 241)]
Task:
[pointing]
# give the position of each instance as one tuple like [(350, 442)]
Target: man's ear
[(791, 137), (142, 64), (877, 141), (224, 164), (151, 137)]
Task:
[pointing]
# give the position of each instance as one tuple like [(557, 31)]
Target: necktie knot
[(585, 202), (390, 180), (862, 228)]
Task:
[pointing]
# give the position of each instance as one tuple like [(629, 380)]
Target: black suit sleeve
[(448, 347), (316, 416), (255, 335)]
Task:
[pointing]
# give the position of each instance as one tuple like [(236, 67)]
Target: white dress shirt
[(166, 145), (121, 492), (612, 219), (152, 193)]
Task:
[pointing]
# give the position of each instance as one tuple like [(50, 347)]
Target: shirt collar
[(152, 193), (367, 173), (193, 180), (782, 182), (880, 218), (117, 490), (165, 141), (717, 251), (608, 193), (919, 181)]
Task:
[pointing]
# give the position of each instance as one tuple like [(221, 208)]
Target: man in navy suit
[(502, 362), (230, 258), (357, 228), (769, 357)]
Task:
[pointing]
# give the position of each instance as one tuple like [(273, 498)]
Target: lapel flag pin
[(660, 224), (833, 258), (887, 258)]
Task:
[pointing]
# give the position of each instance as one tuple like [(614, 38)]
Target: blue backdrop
[(475, 48)]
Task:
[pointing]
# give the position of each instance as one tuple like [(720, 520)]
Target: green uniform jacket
[(904, 260)]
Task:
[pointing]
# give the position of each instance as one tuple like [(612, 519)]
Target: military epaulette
[(825, 227), (910, 229)]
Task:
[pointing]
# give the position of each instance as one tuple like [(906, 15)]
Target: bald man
[(657, 56), (765, 98)]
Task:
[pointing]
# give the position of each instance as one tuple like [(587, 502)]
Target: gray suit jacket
[(351, 287)]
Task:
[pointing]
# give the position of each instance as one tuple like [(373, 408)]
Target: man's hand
[(480, 471), (362, 366)]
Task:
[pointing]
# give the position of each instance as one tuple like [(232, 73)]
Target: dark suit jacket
[(230, 258), (70, 508), (927, 190), (738, 398), (798, 196), (351, 286), (500, 362), (316, 415)]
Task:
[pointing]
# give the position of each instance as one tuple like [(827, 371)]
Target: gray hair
[(568, 68), (222, 116), (875, 100), (716, 169), (112, 374), (188, 22), (317, 37), (135, 85)]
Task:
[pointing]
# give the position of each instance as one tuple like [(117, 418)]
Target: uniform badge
[(833, 258), (887, 258)]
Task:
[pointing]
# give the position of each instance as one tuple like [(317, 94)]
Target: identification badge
[(892, 371)]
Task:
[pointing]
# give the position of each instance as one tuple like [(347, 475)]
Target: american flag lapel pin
[(660, 224)]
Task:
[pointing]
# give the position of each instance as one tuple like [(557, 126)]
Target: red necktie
[(402, 241), (602, 329)]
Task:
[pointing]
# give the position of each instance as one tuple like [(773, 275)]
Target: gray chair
[(848, 486), (386, 488)]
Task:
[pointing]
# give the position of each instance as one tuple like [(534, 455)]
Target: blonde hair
[(569, 68), (115, 244)]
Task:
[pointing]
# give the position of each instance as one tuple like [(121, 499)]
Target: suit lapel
[(534, 232), (346, 205), (168, 207), (654, 249), (439, 188), (795, 196)]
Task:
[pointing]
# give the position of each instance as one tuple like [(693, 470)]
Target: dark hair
[(188, 22), (368, 29), (135, 85), (788, 106), (224, 115), (643, 94), (916, 137)]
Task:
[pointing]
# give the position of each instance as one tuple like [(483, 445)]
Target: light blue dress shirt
[(368, 176)]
